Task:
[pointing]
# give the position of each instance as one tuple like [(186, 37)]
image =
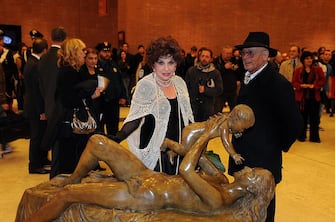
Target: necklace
[(163, 83)]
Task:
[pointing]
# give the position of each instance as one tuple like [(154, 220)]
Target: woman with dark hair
[(125, 69), (160, 108), (307, 82), (89, 73)]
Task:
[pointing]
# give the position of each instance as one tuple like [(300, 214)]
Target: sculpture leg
[(114, 194), (121, 161)]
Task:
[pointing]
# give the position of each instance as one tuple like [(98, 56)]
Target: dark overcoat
[(278, 122)]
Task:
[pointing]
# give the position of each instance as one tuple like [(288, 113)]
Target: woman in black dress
[(71, 90)]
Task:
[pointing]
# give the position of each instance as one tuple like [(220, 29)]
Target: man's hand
[(201, 88), (42, 116), (122, 101)]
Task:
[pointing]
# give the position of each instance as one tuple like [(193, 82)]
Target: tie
[(247, 78), (294, 64)]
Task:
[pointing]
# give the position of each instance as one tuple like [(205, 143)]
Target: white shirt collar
[(36, 56), (250, 76), (55, 46)]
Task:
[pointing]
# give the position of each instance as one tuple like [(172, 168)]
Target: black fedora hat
[(258, 39)]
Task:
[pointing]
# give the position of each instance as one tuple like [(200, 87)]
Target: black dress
[(175, 124), (69, 146)]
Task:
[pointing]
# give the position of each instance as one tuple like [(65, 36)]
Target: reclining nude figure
[(138, 188)]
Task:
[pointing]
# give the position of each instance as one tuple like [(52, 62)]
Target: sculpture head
[(257, 181), (260, 187), (240, 118)]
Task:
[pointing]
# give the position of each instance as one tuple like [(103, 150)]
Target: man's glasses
[(250, 53)]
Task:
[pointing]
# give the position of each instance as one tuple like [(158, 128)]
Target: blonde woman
[(69, 95)]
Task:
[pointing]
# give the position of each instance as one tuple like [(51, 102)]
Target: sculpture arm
[(209, 194), (174, 146), (228, 145), (190, 134)]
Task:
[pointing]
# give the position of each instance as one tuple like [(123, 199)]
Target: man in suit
[(48, 70), (287, 67), (48, 76), (277, 118), (34, 108)]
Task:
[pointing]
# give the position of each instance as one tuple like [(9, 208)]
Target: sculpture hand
[(171, 156), (238, 158), (164, 145), (237, 135)]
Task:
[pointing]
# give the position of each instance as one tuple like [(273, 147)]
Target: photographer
[(204, 83)]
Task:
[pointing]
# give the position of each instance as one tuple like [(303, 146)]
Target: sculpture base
[(33, 198)]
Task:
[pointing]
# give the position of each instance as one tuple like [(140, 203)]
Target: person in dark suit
[(48, 75), (48, 70), (278, 121), (34, 108)]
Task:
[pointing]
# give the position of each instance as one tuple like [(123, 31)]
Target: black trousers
[(66, 153), (111, 116), (36, 154), (310, 114)]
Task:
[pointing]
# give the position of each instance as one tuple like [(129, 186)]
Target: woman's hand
[(97, 92)]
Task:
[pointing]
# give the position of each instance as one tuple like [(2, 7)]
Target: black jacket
[(278, 122), (33, 103), (48, 73)]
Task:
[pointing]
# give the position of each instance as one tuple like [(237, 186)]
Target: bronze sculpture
[(198, 194)]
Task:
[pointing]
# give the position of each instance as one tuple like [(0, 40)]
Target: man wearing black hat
[(34, 34), (115, 93), (277, 118)]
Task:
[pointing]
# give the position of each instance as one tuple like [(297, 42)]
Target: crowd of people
[(166, 90)]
